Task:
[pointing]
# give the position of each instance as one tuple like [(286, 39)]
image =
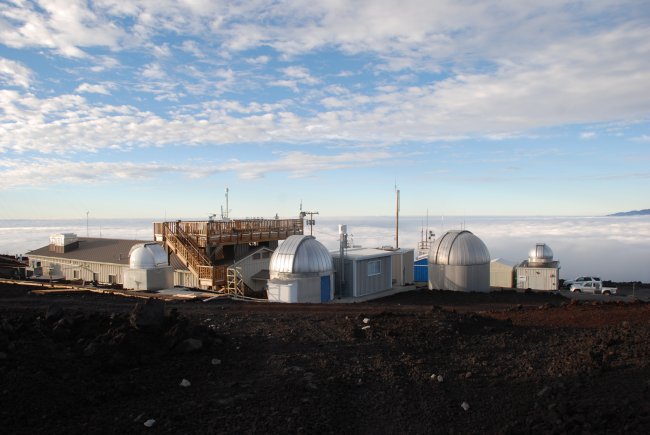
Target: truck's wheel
[(607, 292)]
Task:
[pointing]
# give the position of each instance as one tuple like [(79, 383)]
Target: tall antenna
[(225, 214), (343, 244), (396, 217), (227, 209)]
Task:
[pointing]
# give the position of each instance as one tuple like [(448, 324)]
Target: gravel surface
[(417, 362)]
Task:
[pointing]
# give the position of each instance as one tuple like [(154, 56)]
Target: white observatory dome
[(147, 256), (459, 248), (541, 253), (301, 254)]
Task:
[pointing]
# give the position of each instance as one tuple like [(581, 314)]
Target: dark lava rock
[(149, 316), (189, 345), (53, 313)]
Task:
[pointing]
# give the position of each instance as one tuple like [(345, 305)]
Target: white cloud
[(498, 87), (192, 47), (259, 60), (45, 172), (296, 75), (93, 89), (154, 71), (65, 26), (587, 135), (14, 73)]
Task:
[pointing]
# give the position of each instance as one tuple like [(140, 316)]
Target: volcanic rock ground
[(418, 362)]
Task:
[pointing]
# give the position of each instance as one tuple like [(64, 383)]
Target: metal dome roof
[(301, 254), (147, 256), (541, 253), (459, 248)]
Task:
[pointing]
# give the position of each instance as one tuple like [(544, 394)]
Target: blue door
[(325, 287)]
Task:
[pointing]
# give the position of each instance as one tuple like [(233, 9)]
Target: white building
[(94, 259), (459, 261), (540, 271), (502, 273), (301, 271)]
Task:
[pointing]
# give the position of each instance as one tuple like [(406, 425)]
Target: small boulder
[(189, 345), (150, 422), (148, 316)]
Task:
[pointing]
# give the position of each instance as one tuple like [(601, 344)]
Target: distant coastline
[(644, 212)]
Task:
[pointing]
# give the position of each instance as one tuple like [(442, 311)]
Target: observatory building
[(459, 261), (301, 271), (540, 271), (502, 273), (149, 268)]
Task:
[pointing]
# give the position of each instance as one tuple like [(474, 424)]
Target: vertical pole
[(227, 210), (397, 219)]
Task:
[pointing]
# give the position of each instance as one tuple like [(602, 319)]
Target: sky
[(129, 109)]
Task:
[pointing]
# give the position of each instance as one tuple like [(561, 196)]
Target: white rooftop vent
[(63, 239)]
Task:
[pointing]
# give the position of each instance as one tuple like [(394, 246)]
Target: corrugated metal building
[(502, 273), (96, 259), (540, 271), (459, 261), (366, 271), (402, 266)]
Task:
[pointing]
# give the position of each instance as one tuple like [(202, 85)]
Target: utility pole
[(311, 222)]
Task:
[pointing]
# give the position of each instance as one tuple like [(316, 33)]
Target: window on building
[(75, 274), (95, 277), (257, 256), (112, 279), (374, 267)]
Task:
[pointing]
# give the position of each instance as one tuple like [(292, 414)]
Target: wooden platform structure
[(209, 247)]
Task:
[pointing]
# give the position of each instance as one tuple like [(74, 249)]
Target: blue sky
[(153, 108)]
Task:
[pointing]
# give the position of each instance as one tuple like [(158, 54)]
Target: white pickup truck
[(580, 279), (595, 287)]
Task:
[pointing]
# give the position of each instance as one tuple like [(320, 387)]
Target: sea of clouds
[(614, 248)]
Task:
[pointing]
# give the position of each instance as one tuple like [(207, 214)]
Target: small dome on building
[(147, 256), (459, 248), (541, 253), (301, 254)]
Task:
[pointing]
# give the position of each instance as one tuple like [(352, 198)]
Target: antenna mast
[(396, 217), (225, 214), (227, 209), (311, 222)]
